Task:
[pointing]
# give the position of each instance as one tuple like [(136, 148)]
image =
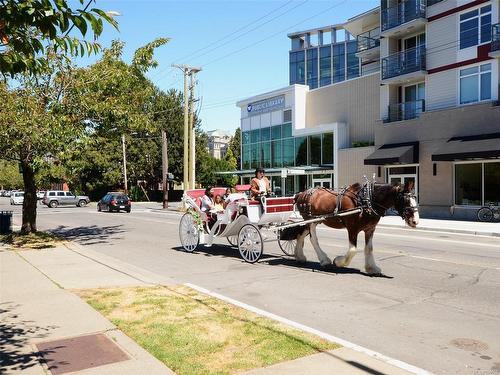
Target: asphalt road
[(437, 308)]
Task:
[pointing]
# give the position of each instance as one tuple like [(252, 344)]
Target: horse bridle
[(408, 211)]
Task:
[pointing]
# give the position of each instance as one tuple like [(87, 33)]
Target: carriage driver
[(259, 185)]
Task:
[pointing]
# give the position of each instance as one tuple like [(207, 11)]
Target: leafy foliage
[(10, 178), (30, 28)]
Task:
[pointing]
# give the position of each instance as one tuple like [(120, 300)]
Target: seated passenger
[(207, 202), (218, 204)]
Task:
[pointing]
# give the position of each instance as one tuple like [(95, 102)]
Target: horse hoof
[(374, 271), (301, 260), (325, 262), (339, 261)]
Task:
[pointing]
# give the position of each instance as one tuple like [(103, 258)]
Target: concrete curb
[(449, 230)]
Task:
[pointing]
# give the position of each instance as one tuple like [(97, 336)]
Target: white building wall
[(441, 90), (442, 42), (441, 7)]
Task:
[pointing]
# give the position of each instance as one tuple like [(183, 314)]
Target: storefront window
[(327, 150), (301, 151), (314, 149), (288, 152), (492, 183), (468, 184), (276, 154)]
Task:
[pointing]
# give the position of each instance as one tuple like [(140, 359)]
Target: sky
[(241, 46)]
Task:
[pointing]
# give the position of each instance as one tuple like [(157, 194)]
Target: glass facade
[(275, 147), (326, 64)]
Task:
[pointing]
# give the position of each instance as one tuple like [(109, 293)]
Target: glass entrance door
[(322, 181), (403, 179)]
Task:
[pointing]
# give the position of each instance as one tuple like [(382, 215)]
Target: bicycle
[(489, 213)]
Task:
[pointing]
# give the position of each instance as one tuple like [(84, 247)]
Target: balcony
[(405, 66), (403, 18), (495, 40), (369, 44), (405, 111)]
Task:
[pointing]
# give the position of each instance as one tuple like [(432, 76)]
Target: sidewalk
[(41, 317), (453, 226)]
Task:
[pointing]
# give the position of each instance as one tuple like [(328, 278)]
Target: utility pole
[(164, 164), (192, 136), (187, 70), (124, 164)]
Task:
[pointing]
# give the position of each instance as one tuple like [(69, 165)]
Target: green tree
[(235, 147), (55, 113), (10, 177), (30, 28)]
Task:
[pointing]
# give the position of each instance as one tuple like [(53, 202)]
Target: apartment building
[(218, 142), (418, 79)]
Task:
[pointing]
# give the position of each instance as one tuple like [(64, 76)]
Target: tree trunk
[(30, 200)]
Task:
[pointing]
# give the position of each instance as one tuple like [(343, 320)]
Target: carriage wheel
[(485, 214), (233, 240), (250, 243), (287, 246), (189, 232)]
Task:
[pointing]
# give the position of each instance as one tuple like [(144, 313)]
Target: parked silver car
[(54, 198)]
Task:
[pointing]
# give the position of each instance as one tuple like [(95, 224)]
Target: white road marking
[(302, 327)]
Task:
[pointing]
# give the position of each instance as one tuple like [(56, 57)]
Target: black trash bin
[(5, 222)]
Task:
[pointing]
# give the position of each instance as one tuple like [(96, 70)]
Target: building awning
[(394, 153), (484, 146), (306, 169)]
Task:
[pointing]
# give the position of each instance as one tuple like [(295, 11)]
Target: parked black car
[(114, 202)]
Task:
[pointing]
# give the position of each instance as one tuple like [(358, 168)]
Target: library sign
[(268, 105)]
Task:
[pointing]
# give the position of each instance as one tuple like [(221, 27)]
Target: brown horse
[(323, 202)]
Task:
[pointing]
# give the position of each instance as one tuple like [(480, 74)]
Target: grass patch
[(193, 333), (38, 240)]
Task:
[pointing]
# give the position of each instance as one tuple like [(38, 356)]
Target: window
[(276, 132), (468, 184), (60, 193), (297, 67), (266, 154), (312, 68), (475, 27), (352, 60), (287, 115), (246, 159), (276, 154), (265, 134), (301, 151), (286, 130), (52, 194), (288, 152), (338, 62), (325, 66), (69, 194), (475, 84), (327, 149), (492, 183), (245, 137), (314, 149), (255, 136)]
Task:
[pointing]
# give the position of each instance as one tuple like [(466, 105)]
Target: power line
[(230, 34), (277, 33)]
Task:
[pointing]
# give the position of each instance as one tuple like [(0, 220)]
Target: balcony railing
[(368, 40), (405, 111), (408, 61), (495, 37), (401, 13)]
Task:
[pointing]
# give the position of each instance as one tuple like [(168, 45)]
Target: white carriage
[(245, 224)]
